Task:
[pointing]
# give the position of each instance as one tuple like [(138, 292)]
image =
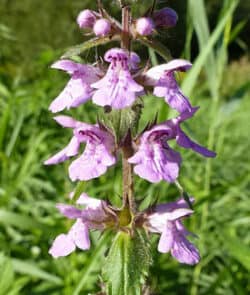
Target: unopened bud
[(145, 26), (86, 18), (165, 17), (102, 27)]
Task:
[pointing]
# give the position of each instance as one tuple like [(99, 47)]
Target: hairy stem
[(126, 21), (127, 178), (127, 169)]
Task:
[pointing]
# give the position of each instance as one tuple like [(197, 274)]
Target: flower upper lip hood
[(155, 73), (157, 216)]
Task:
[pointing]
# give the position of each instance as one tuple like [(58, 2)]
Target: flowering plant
[(119, 84)]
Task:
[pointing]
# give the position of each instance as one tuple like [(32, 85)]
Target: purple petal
[(178, 102), (61, 102), (116, 53), (178, 213), (85, 169), (73, 147), (66, 121), (70, 150), (178, 65), (183, 141), (75, 93), (89, 133), (185, 252), (74, 68), (146, 171), (168, 88), (165, 213), (66, 65), (58, 157), (69, 211), (155, 162), (63, 245), (154, 74), (93, 203), (80, 235), (92, 164), (172, 206), (166, 240), (187, 114), (116, 91)]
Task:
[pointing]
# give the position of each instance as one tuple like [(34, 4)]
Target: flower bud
[(102, 27), (86, 18), (145, 26), (165, 17)]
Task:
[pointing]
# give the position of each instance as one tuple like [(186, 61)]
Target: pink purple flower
[(155, 160), (163, 79), (78, 89), (117, 88), (166, 219), (102, 27), (165, 17), (93, 216), (145, 26), (98, 153)]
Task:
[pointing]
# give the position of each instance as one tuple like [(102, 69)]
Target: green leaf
[(18, 285), (193, 74), (5, 117), (239, 250), (79, 49), (127, 264), (26, 267), (21, 221), (6, 274), (92, 262), (198, 15)]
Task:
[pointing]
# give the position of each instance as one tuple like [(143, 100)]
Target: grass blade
[(191, 79)]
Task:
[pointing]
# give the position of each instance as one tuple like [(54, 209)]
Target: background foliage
[(33, 34)]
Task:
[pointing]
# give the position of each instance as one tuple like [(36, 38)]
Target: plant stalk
[(126, 21), (127, 179), (127, 150)]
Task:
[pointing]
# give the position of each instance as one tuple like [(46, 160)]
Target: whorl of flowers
[(121, 82)]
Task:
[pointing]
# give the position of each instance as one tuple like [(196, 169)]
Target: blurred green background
[(215, 36)]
